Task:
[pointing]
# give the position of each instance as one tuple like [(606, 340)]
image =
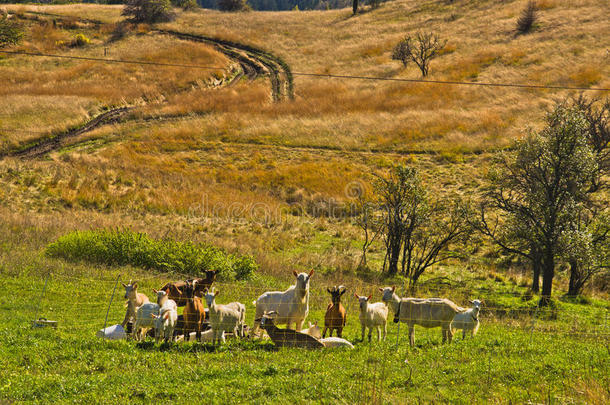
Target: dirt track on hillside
[(254, 63)]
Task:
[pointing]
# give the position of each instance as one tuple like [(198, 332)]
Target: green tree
[(541, 189), (148, 11)]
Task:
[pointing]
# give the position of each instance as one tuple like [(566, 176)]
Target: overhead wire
[(321, 75)]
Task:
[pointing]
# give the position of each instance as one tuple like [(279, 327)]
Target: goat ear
[(329, 290), (380, 289), (311, 272), (471, 301), (343, 291), (155, 291), (216, 293), (393, 288), (124, 285), (369, 297), (295, 273), (134, 285), (155, 316), (315, 323), (356, 295)]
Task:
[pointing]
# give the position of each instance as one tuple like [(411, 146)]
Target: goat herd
[(283, 307)]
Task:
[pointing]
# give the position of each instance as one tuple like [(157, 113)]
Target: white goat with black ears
[(468, 320)]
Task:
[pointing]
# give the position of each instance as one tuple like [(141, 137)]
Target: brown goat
[(194, 311), (286, 337), (134, 301), (174, 290), (336, 316)]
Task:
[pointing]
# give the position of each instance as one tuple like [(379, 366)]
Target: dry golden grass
[(235, 146)]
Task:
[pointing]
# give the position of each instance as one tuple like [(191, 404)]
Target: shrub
[(80, 40), (528, 17), (120, 31), (10, 32), (185, 4), (123, 247), (148, 11)]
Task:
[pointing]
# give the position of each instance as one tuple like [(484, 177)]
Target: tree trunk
[(575, 284), (548, 273), (355, 6), (393, 258), (536, 279)]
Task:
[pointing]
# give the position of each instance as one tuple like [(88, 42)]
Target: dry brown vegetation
[(189, 145)]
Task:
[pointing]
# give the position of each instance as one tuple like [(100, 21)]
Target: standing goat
[(467, 320), (166, 320), (134, 301), (223, 318), (291, 306), (336, 316), (372, 316), (175, 290), (286, 337), (145, 319), (194, 312), (426, 312)]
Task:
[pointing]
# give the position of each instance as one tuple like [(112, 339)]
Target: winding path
[(253, 62)]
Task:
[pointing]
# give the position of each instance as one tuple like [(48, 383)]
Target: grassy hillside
[(218, 162)]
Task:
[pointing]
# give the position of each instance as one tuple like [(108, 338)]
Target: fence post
[(110, 303), (41, 297)]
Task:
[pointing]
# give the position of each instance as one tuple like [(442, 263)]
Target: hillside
[(226, 130)]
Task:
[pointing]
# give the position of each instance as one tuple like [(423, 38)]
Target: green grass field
[(518, 355)]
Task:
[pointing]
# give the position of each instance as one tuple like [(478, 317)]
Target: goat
[(291, 306), (145, 320), (286, 337), (206, 336), (313, 330), (426, 312), (134, 301), (194, 312), (336, 342), (467, 320), (372, 316), (175, 290), (241, 308), (165, 322), (223, 317), (335, 316)]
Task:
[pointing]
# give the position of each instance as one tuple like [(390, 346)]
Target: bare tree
[(421, 49), (370, 224), (417, 232)]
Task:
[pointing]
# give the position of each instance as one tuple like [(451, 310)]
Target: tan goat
[(134, 301), (426, 312)]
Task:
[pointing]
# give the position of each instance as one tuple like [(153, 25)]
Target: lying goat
[(286, 337)]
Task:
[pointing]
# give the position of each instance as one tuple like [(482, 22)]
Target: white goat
[(313, 330), (468, 320), (291, 306), (372, 316), (165, 322), (336, 342), (241, 308), (145, 320), (223, 318)]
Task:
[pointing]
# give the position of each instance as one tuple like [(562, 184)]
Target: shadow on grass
[(197, 347)]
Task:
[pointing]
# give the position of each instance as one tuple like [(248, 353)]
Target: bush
[(124, 247), (120, 31), (10, 32), (528, 17), (185, 4), (148, 11), (80, 40)]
